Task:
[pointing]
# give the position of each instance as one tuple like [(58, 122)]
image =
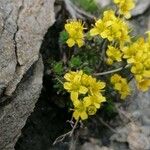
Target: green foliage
[(58, 68), (63, 36), (87, 5), (75, 62), (87, 70)]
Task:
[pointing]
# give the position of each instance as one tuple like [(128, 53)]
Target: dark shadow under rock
[(43, 126)]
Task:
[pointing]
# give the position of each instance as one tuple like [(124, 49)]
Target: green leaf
[(88, 5), (87, 70), (63, 37), (58, 68), (75, 62)]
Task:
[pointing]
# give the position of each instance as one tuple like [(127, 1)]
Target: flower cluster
[(113, 54), (85, 93), (75, 29), (120, 84), (111, 27), (138, 55), (125, 6)]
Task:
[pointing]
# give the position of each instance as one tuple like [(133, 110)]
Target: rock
[(13, 116), (103, 3), (138, 141), (91, 146), (141, 7), (136, 132), (23, 25)]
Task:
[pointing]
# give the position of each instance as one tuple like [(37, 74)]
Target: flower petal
[(76, 115), (70, 42), (74, 96), (83, 90), (83, 115)]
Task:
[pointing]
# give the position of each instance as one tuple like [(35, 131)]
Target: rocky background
[(28, 34)]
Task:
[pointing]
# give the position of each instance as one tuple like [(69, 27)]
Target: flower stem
[(74, 127), (111, 71)]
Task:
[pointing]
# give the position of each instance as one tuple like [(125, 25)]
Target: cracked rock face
[(23, 25)]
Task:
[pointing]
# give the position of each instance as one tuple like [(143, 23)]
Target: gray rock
[(104, 3), (136, 132), (23, 25), (91, 146), (141, 7), (13, 116)]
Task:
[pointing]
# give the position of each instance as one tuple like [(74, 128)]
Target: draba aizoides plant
[(99, 60)]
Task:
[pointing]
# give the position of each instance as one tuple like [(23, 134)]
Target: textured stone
[(137, 132), (90, 146), (13, 116), (23, 25), (103, 3), (141, 7)]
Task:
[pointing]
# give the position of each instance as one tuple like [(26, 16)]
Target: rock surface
[(135, 132), (13, 116), (23, 25)]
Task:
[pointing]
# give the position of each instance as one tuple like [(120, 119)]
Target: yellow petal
[(127, 15), (102, 84), (83, 115), (116, 1), (144, 85), (91, 110), (68, 76), (83, 90), (94, 32), (97, 105), (118, 86), (70, 42), (76, 115), (67, 86), (87, 101), (80, 42), (146, 73), (76, 103), (74, 96)]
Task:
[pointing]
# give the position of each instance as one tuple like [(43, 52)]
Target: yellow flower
[(136, 51), (73, 84), (75, 30), (120, 84), (113, 54), (80, 111), (99, 27), (96, 86), (91, 110), (86, 80), (144, 85), (111, 27), (94, 100), (138, 55), (125, 6), (85, 93)]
